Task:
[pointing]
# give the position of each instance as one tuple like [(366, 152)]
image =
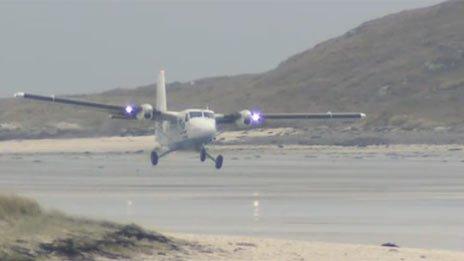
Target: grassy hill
[(405, 70)]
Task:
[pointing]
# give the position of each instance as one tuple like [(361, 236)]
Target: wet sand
[(409, 195)]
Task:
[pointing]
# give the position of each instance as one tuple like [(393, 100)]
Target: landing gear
[(156, 155), (203, 154), (217, 161), (154, 158)]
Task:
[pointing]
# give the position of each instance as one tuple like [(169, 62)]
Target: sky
[(72, 47)]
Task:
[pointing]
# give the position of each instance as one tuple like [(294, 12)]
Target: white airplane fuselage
[(195, 128), (201, 128)]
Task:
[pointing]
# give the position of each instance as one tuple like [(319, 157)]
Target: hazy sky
[(53, 47)]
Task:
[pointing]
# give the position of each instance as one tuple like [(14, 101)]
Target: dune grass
[(13, 207), (27, 232)]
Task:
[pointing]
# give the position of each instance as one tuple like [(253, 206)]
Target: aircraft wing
[(314, 116), (258, 117), (127, 112)]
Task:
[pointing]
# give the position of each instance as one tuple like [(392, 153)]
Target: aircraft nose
[(202, 128)]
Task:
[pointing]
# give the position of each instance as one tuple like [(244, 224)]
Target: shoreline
[(140, 144)]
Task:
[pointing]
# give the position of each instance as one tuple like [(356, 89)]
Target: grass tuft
[(14, 207), (29, 233)]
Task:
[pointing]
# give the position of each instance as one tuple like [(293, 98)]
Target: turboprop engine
[(146, 112), (248, 119), (142, 112)]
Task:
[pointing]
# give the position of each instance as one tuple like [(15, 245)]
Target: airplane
[(190, 129)]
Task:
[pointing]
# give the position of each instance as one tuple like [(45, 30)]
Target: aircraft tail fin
[(161, 104)]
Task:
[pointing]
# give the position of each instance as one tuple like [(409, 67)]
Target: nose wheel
[(217, 161)]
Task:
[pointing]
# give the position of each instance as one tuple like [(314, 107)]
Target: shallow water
[(412, 201)]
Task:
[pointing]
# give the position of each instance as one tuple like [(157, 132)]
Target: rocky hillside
[(405, 70)]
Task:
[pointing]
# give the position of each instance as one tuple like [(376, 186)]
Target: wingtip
[(19, 95)]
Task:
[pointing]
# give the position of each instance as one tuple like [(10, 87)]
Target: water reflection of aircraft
[(188, 129)]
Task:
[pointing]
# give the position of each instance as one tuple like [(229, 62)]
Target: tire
[(219, 161), (202, 155), (154, 158)]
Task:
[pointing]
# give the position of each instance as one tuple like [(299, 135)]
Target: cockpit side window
[(209, 115), (195, 114)]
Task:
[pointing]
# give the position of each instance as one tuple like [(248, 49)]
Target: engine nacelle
[(145, 113), (244, 120)]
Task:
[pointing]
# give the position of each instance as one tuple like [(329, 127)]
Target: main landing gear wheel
[(202, 154), (219, 161), (154, 158)]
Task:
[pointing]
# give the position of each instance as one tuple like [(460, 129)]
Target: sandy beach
[(247, 248), (265, 200), (147, 143)]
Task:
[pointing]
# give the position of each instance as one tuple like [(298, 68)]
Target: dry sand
[(246, 248), (80, 145), (114, 144), (147, 143)]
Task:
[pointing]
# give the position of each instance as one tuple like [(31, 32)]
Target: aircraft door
[(181, 123)]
